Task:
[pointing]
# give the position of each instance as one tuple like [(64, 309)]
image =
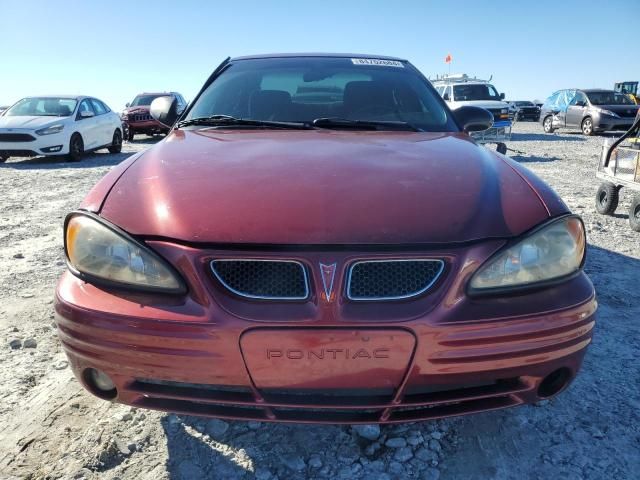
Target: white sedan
[(58, 125)]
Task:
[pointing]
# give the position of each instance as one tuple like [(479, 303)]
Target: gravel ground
[(52, 428)]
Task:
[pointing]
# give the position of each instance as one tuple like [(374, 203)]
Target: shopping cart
[(499, 133), (619, 166)]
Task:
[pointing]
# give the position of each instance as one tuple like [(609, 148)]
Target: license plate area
[(328, 359)]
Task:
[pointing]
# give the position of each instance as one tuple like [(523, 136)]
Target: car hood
[(140, 109), (28, 122), (322, 187), (623, 110)]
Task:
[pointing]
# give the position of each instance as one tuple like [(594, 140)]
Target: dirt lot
[(51, 428)]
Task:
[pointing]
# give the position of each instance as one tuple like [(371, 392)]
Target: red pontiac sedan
[(318, 239)]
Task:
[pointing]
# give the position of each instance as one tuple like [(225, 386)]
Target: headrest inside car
[(269, 105), (368, 97)]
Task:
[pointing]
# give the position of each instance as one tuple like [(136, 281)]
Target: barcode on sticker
[(377, 61)]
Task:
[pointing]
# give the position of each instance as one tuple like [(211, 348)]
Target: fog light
[(100, 384), (53, 149), (554, 383)]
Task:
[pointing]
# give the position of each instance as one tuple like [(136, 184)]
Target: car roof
[(157, 93), (69, 97), (312, 54), (454, 82), (596, 90)]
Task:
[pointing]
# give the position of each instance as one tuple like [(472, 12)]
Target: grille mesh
[(392, 279), (16, 137), (263, 279)]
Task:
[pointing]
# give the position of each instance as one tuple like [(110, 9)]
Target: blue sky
[(115, 49)]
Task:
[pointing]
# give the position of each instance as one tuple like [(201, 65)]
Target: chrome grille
[(496, 112), (263, 279), (392, 279), (143, 117)]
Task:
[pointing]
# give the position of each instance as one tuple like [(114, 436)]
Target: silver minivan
[(592, 111)]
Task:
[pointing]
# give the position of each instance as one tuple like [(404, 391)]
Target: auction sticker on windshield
[(377, 61)]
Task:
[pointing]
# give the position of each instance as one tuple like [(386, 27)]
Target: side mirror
[(127, 105), (446, 97), (86, 114), (473, 119), (502, 96), (164, 110)]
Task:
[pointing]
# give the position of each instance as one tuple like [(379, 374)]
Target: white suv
[(58, 125)]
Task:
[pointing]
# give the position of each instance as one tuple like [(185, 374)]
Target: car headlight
[(607, 112), (551, 252), (123, 115), (51, 129), (101, 253)]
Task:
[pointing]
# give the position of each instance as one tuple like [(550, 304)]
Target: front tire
[(547, 125), (116, 143), (634, 213), (607, 198), (587, 126), (130, 135), (76, 148), (3, 159)]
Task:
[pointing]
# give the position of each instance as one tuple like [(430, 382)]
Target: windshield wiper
[(336, 122), (228, 120)]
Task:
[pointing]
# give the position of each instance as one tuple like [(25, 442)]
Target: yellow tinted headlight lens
[(98, 251), (554, 251)]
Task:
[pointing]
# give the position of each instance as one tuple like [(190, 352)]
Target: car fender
[(95, 198)]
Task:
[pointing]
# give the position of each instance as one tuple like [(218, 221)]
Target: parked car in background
[(137, 119), (525, 110), (589, 110), (58, 125), (460, 90), (319, 240)]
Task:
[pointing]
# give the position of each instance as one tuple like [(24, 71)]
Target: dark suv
[(591, 111), (136, 117), (526, 110)]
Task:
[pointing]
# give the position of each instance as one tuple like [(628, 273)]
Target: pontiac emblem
[(328, 274)]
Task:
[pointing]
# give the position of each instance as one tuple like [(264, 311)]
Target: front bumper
[(146, 126), (605, 123), (183, 354), (42, 145), (535, 116)]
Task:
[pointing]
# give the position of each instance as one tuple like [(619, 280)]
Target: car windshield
[(463, 93), (525, 104), (143, 100), (43, 107), (304, 89), (608, 98)]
